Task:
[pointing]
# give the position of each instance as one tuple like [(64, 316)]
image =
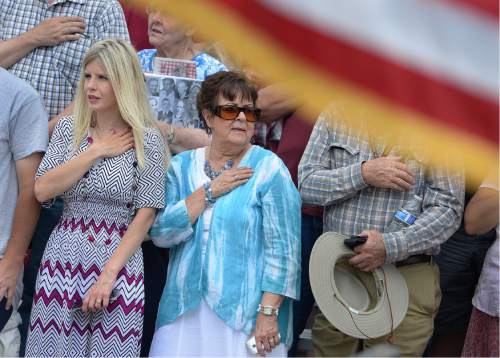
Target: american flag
[(425, 70)]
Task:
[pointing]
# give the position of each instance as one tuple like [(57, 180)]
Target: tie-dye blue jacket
[(253, 244)]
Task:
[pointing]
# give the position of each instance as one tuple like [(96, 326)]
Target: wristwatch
[(268, 310)]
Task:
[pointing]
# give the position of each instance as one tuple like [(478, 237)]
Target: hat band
[(381, 288)]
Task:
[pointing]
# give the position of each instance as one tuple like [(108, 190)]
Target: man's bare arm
[(274, 103), (185, 138), (25, 218)]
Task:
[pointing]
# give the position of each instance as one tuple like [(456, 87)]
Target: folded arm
[(442, 208), (50, 32), (319, 183)]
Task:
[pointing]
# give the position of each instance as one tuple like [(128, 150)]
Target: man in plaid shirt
[(361, 184), (43, 42)]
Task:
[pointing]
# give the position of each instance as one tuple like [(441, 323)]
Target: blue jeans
[(49, 217), (312, 228)]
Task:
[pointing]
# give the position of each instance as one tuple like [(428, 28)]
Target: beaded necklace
[(212, 174)]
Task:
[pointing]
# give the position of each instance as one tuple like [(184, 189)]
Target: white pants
[(10, 338), (201, 333)]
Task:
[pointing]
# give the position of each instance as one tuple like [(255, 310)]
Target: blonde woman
[(107, 162)]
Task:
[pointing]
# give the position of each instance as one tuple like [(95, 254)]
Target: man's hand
[(53, 31), (371, 254), (388, 173), (9, 272)]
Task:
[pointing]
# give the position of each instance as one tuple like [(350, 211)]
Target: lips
[(92, 99)]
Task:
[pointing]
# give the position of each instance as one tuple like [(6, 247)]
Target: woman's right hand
[(115, 144), (230, 179)]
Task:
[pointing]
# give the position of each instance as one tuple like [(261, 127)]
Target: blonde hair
[(125, 75)]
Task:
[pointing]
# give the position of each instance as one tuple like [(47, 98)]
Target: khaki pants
[(10, 337), (412, 334)]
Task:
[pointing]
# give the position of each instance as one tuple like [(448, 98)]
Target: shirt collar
[(55, 2)]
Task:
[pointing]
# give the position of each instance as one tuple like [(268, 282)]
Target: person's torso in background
[(14, 94), (295, 131), (54, 70)]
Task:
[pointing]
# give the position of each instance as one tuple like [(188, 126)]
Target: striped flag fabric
[(422, 70)]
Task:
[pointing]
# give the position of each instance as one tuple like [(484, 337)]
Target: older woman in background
[(172, 39), (232, 221)]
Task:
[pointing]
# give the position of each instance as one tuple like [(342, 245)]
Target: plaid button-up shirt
[(54, 71), (330, 176)]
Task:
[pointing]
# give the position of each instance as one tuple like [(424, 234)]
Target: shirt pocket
[(343, 153), (68, 57)]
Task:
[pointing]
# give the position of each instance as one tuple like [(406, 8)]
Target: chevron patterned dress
[(97, 211)]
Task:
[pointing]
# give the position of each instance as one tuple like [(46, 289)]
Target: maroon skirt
[(482, 336)]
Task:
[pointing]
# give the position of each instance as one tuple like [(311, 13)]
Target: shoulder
[(266, 161), (106, 19), (186, 156), (16, 88), (145, 58), (65, 125), (153, 137), (259, 153), (182, 161), (208, 64), (147, 53), (101, 7)]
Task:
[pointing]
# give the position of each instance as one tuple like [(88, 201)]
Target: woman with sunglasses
[(232, 221)]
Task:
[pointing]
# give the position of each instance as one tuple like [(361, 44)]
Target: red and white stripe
[(438, 57)]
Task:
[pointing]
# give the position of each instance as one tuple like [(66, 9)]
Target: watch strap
[(267, 310)]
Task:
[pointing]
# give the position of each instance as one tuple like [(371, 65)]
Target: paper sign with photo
[(173, 99), (174, 67)]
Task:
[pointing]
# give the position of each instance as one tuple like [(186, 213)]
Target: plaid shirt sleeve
[(442, 208), (112, 23), (319, 183)]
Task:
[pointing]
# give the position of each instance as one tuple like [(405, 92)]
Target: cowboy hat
[(361, 305)]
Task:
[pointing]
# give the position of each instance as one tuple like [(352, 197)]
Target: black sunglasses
[(230, 112)]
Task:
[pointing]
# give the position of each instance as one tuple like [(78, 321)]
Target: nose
[(155, 17), (241, 116), (90, 83)]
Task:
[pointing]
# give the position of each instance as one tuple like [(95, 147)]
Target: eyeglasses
[(231, 112)]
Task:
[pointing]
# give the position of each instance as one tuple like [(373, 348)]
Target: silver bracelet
[(170, 135), (209, 199)]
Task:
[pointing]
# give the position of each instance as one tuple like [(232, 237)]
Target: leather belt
[(415, 259)]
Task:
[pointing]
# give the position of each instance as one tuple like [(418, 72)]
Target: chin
[(240, 141), (153, 40)]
